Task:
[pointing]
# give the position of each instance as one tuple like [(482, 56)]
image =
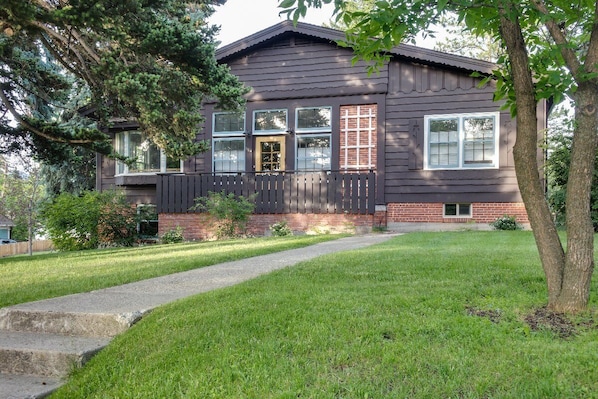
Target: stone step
[(14, 386), (66, 323), (49, 355)]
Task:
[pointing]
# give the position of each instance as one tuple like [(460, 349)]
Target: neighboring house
[(325, 145), (6, 226)]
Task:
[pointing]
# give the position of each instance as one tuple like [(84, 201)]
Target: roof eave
[(413, 53)]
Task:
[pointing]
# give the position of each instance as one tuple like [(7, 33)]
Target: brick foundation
[(486, 212), (196, 226)]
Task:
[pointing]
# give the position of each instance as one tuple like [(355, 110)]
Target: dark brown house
[(327, 146)]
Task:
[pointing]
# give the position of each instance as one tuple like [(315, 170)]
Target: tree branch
[(571, 60)]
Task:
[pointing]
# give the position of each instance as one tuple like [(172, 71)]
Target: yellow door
[(269, 153)]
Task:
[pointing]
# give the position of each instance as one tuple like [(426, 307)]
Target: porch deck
[(277, 193)]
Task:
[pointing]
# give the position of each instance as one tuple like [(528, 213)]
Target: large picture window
[(462, 141), (148, 158), (313, 148)]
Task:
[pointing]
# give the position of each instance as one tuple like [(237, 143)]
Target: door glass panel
[(270, 154)]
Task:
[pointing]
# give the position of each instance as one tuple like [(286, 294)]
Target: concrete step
[(66, 323), (49, 355), (27, 386)]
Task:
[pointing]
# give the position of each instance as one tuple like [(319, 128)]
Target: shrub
[(230, 213), (506, 222), (173, 236), (281, 229), (90, 220)]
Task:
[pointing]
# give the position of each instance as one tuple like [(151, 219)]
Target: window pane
[(229, 122), (229, 156), (313, 118), (443, 150), (119, 143), (173, 165), (146, 154), (313, 152), (148, 220), (273, 120), (464, 209), (450, 209), (478, 145)]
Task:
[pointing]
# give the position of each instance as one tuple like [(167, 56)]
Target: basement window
[(457, 211)]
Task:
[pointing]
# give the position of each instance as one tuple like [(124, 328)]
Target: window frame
[(313, 129), (127, 146), (228, 132), (458, 214), (313, 132), (270, 132), (461, 163), (233, 135), (241, 164), (323, 134), (155, 222)]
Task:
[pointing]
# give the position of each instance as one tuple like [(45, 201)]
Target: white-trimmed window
[(228, 144), (148, 158), (313, 152), (228, 154), (457, 210), (228, 123), (271, 121), (462, 141), (314, 148)]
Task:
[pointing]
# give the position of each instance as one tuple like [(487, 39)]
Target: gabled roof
[(403, 51), (6, 222)]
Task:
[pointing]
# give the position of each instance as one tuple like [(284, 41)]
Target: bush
[(281, 229), (91, 220), (173, 236), (506, 222), (230, 213)]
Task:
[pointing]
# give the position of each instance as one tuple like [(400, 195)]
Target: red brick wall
[(196, 226), (432, 212)]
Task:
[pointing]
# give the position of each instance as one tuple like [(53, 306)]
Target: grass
[(25, 279), (403, 319)]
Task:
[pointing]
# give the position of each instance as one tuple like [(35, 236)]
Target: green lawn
[(430, 315), (25, 279)]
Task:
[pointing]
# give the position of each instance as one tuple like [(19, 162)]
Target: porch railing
[(284, 192)]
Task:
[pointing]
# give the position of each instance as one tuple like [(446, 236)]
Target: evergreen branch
[(35, 130)]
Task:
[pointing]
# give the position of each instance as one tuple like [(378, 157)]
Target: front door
[(269, 154)]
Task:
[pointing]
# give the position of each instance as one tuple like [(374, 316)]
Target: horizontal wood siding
[(334, 192), (416, 91), (305, 69)]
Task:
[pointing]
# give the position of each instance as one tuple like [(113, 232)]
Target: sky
[(240, 18)]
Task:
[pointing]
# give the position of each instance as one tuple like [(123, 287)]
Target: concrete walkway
[(41, 341)]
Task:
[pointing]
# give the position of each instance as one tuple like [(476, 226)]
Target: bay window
[(147, 157)]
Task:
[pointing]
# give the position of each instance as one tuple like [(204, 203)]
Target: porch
[(288, 192)]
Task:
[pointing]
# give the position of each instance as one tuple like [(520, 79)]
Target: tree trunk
[(525, 153), (579, 265)]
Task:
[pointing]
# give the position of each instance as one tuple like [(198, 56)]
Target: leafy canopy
[(148, 60)]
